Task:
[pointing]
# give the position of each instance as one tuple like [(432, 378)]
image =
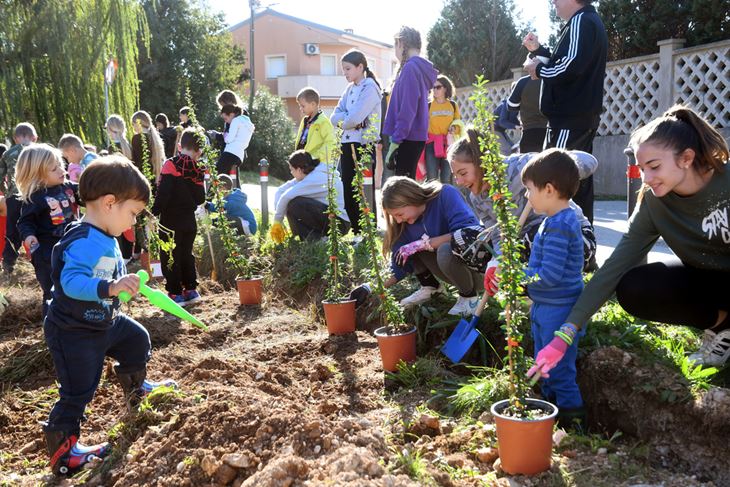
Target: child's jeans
[(78, 357), (41, 260), (560, 388)]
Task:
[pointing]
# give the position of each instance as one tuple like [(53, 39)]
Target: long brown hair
[(157, 148), (356, 58), (400, 191), (409, 38), (681, 128), (467, 148)]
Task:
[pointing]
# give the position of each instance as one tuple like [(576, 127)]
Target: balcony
[(330, 87)]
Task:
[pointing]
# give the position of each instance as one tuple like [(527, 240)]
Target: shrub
[(274, 135)]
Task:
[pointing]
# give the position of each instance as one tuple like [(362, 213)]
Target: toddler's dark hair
[(225, 182), (554, 166), (303, 160), (116, 175)]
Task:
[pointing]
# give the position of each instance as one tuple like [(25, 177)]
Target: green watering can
[(161, 300)]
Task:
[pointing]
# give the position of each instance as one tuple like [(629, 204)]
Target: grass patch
[(486, 386)]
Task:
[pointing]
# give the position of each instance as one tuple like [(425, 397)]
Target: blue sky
[(380, 20)]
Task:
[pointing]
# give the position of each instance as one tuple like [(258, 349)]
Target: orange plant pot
[(249, 291), (339, 316), (394, 348), (525, 445)]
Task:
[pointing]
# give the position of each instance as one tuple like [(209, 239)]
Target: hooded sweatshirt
[(357, 105), (314, 185), (235, 206), (407, 117)]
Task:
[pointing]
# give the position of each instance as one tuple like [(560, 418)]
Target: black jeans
[(532, 140), (226, 163), (181, 275), (12, 235), (41, 260), (308, 218), (78, 357), (576, 139), (674, 294), (407, 156), (347, 172)]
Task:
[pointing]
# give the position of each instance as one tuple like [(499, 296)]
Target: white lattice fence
[(630, 95), (635, 93), (702, 81), (497, 91)]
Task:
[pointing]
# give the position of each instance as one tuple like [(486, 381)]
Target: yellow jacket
[(321, 140)]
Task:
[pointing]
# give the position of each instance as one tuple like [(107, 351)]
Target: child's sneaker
[(714, 351), (464, 306), (191, 296), (68, 455), (178, 298), (422, 295)]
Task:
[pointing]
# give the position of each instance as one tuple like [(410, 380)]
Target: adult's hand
[(531, 67), (531, 42), (361, 293)]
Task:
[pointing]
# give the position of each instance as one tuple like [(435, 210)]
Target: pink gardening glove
[(548, 357), (414, 247), (491, 281)]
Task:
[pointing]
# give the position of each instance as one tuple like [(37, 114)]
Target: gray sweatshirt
[(695, 227)]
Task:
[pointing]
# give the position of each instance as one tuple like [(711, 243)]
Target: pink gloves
[(491, 282), (548, 357), (414, 247)]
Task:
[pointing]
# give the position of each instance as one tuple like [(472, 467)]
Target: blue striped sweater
[(557, 260)]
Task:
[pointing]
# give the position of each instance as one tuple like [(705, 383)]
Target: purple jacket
[(407, 116)]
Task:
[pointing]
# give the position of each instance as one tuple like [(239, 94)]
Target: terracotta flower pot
[(339, 316), (249, 290), (525, 445), (394, 348)]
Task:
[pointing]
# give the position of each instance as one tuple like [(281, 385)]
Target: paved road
[(610, 224)]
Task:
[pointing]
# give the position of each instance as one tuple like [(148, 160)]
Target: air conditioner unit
[(311, 49)]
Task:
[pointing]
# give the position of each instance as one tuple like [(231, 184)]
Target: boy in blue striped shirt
[(555, 266)]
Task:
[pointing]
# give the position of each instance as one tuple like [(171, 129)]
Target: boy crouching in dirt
[(84, 324)]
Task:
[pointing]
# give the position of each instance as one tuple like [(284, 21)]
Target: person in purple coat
[(406, 122)]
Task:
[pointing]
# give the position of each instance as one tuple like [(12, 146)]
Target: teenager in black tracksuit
[(179, 193), (572, 86)]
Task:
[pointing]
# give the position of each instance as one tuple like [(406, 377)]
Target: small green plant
[(424, 371), (511, 268), (235, 257), (391, 314), (484, 387), (411, 463)]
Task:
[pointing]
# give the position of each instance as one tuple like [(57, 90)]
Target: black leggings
[(308, 218), (675, 294), (347, 172), (227, 162), (407, 156)]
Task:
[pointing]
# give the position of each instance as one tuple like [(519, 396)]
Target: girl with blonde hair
[(49, 204), (117, 130), (421, 220), (143, 126), (406, 122)]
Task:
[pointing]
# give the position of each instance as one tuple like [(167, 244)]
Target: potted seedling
[(524, 425), (396, 338), (248, 285), (339, 311)]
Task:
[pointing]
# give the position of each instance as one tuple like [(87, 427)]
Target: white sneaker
[(464, 306), (714, 351), (423, 294)]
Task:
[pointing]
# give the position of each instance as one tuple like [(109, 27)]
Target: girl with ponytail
[(359, 107), (685, 201), (406, 122), (143, 127)]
